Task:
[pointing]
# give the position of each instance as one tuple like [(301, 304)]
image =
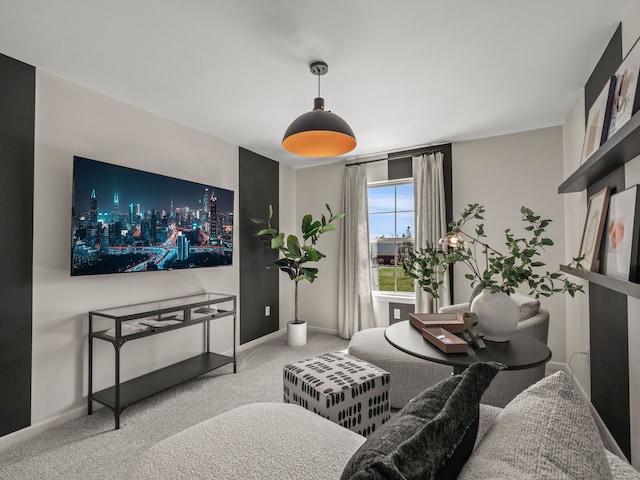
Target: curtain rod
[(397, 155)]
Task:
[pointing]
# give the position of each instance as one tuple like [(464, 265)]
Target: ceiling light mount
[(319, 133), (319, 68)]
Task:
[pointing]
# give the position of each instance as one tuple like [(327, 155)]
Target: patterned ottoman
[(344, 389)]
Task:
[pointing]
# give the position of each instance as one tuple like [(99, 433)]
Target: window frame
[(384, 183)]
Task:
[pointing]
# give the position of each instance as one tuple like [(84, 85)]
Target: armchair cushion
[(529, 306)]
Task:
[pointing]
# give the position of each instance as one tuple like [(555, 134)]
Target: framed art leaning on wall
[(621, 235), (598, 120), (593, 228), (625, 99)]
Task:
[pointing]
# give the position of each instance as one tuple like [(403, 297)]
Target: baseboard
[(608, 440), (553, 367), (31, 431), (329, 331), (257, 341)]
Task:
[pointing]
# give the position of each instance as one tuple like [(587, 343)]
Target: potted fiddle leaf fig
[(299, 258)]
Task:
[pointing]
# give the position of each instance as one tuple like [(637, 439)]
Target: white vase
[(498, 315), (296, 334)]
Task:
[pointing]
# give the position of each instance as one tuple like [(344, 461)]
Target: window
[(391, 227)]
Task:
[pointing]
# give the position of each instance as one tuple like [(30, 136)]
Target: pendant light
[(319, 133)]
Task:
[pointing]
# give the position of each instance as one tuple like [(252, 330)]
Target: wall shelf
[(621, 148), (617, 285)]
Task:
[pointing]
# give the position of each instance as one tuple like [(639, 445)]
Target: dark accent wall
[(17, 120), (608, 325), (259, 188), (608, 313), (398, 168)]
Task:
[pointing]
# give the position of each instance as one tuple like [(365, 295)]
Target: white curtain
[(355, 303), (431, 220)]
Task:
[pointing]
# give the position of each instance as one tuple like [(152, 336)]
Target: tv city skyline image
[(127, 220)]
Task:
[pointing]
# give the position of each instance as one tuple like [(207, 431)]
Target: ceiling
[(402, 73)]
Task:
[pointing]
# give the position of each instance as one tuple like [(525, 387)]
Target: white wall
[(505, 173), (71, 120), (289, 223), (318, 301), (575, 208), (575, 205)]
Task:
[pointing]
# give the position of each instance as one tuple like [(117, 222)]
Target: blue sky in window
[(382, 201)]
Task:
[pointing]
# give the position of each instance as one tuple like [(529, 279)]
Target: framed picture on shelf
[(593, 228), (625, 96), (598, 120), (621, 235)]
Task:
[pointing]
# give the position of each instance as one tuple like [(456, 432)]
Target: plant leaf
[(277, 242), (293, 246)]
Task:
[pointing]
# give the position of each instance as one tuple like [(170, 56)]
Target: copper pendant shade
[(319, 133)]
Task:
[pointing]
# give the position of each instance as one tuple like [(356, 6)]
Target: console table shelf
[(133, 322), (621, 148), (158, 381), (617, 285)]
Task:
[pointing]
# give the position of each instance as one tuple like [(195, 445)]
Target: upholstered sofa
[(546, 432), (410, 375)]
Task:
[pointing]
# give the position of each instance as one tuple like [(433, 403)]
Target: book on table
[(453, 322)]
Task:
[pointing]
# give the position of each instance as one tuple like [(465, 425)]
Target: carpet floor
[(90, 448)]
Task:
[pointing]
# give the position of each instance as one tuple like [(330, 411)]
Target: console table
[(520, 352), (132, 322)]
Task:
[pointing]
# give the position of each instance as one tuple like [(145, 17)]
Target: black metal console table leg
[(90, 382), (234, 336), (117, 410)]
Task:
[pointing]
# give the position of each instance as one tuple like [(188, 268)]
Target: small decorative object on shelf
[(445, 340)]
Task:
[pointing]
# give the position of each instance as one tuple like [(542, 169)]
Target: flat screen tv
[(127, 220)]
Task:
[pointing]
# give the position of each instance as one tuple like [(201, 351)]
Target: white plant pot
[(498, 315), (296, 334)]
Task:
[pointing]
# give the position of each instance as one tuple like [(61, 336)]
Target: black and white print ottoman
[(342, 388)]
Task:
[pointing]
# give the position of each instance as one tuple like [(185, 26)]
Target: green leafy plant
[(298, 255), (499, 272)]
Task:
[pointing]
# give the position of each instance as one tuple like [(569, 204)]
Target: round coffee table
[(520, 352)]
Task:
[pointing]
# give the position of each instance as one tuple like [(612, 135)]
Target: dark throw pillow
[(431, 437)]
